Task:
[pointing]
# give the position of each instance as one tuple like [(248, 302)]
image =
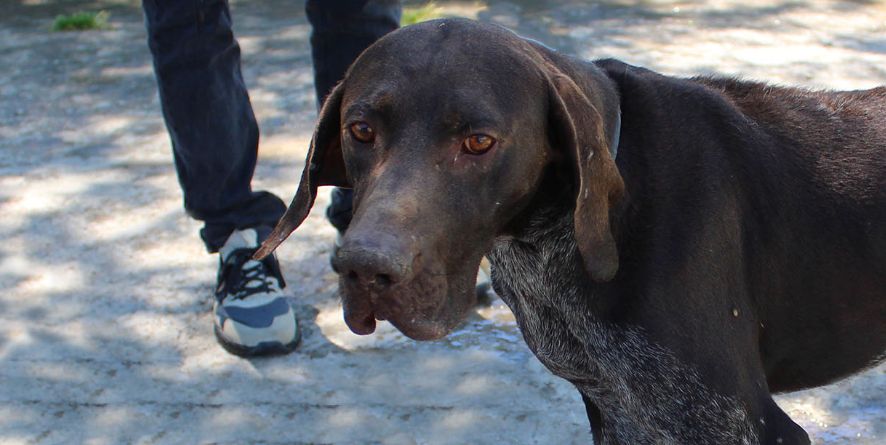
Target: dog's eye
[(477, 144), (362, 132)]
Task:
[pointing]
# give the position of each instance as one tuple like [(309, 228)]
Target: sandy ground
[(105, 333)]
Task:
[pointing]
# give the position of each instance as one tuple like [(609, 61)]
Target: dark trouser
[(207, 111), (341, 31)]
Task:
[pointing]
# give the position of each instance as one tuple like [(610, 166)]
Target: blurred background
[(105, 328)]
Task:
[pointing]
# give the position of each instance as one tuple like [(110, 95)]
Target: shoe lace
[(241, 277)]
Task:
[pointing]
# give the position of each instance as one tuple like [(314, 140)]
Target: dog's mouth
[(427, 308), (364, 324)]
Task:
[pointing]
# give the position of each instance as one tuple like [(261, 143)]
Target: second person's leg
[(342, 29)]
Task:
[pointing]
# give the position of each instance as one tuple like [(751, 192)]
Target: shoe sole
[(263, 349)]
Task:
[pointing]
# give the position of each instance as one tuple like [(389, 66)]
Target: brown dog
[(736, 246)]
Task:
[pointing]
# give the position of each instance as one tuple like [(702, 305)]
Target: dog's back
[(840, 135)]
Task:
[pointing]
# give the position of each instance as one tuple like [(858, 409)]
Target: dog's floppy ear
[(323, 166), (581, 129)]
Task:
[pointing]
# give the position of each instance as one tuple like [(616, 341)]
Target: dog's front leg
[(595, 418)]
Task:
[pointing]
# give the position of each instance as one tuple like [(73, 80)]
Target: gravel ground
[(105, 332)]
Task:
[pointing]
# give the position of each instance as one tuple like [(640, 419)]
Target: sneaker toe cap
[(257, 322)]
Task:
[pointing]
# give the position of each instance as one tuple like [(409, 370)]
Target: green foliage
[(81, 21), (415, 14)]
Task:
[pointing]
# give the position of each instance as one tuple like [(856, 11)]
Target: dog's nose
[(370, 263)]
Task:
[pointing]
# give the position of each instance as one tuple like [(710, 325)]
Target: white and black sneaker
[(252, 317)]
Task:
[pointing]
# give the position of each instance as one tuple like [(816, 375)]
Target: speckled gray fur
[(645, 394)]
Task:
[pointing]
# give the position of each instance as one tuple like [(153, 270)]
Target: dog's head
[(445, 130)]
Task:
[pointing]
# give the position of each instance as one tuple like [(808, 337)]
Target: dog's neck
[(541, 244), (542, 238)]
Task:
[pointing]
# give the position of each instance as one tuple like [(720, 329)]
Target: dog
[(677, 249)]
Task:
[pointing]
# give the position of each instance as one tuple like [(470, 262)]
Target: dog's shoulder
[(834, 134), (840, 136), (865, 108), (833, 112)]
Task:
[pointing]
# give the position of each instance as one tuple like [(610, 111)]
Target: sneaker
[(252, 317)]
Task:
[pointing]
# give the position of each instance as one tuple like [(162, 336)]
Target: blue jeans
[(207, 110)]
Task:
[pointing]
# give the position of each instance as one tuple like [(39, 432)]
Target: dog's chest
[(645, 393)]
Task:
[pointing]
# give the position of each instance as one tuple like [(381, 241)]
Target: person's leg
[(215, 141), (342, 29), (210, 120)]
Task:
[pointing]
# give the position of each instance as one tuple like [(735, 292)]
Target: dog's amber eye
[(477, 144), (362, 132)]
